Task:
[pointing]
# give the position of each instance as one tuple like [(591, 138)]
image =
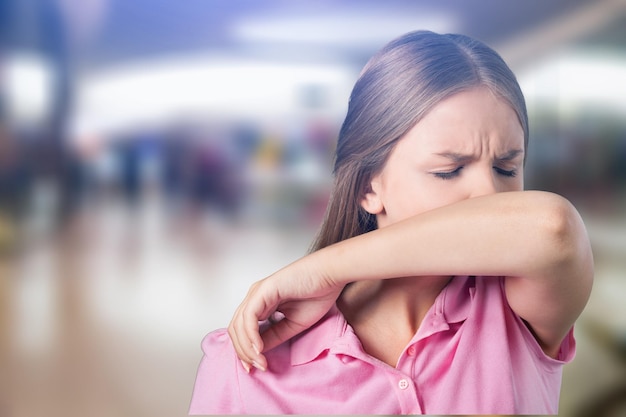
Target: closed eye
[(507, 173), (448, 175)]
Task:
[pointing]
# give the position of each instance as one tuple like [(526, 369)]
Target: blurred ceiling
[(94, 34)]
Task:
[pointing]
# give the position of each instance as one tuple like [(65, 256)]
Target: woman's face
[(470, 144)]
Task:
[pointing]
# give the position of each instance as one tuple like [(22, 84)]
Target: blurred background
[(159, 156)]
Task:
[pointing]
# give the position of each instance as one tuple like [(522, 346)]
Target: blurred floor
[(106, 319)]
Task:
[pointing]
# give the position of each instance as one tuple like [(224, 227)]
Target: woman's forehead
[(475, 112)]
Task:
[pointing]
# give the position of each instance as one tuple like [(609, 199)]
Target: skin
[(431, 167), (449, 201)]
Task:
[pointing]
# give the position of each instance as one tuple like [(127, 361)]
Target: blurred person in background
[(436, 284)]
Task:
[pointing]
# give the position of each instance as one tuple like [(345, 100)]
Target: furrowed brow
[(456, 157), (510, 155)]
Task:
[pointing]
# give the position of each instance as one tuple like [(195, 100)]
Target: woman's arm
[(535, 239)]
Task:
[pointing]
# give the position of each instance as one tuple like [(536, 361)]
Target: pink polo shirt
[(471, 355)]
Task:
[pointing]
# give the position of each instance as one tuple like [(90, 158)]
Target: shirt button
[(403, 384), (411, 351)]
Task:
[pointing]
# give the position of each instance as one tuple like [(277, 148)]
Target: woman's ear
[(371, 201)]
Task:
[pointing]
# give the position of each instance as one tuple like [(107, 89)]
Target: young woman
[(436, 284)]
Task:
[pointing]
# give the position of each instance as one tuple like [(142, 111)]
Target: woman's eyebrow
[(455, 156), (510, 155), (461, 158)]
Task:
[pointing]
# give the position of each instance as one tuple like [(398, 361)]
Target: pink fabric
[(471, 355)]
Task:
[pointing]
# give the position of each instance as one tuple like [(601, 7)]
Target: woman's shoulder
[(219, 350), (224, 387), (216, 389), (218, 342)]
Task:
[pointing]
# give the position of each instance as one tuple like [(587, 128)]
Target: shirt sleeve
[(216, 390), (567, 352)]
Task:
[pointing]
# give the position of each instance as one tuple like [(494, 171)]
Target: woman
[(436, 284)]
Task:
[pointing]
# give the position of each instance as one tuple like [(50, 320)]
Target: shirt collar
[(333, 333), (455, 300), (323, 336)]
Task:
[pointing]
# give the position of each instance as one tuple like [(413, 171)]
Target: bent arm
[(535, 239)]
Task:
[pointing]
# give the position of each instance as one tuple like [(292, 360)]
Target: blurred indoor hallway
[(106, 319)]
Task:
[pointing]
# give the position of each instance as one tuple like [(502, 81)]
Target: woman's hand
[(298, 294)]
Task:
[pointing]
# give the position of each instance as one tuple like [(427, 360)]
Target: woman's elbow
[(566, 236)]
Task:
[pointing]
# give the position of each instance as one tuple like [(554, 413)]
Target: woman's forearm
[(535, 239), (522, 234)]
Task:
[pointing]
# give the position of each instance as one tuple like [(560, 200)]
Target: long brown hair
[(395, 90)]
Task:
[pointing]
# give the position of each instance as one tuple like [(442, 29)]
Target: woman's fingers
[(243, 357), (254, 343), (244, 329), (279, 333), (236, 338), (244, 347), (301, 300)]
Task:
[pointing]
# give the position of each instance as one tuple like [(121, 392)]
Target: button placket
[(403, 384), (407, 395)]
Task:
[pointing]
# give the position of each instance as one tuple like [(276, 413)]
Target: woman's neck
[(386, 314)]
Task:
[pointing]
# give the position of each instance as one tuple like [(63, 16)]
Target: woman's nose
[(484, 184)]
